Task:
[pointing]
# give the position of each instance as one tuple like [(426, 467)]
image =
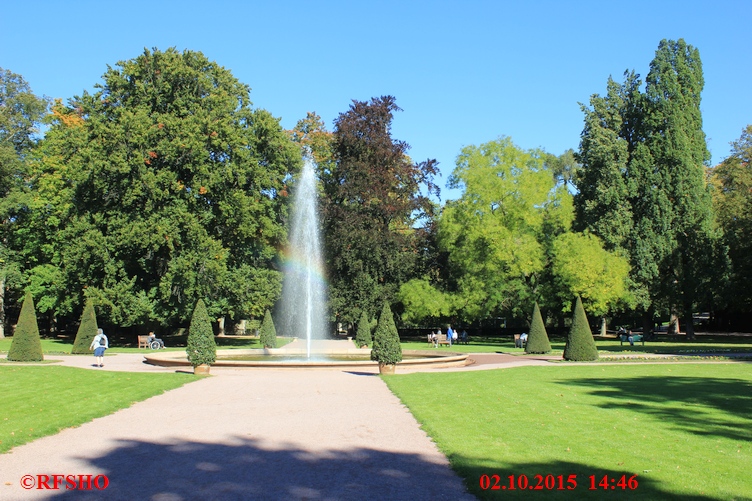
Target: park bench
[(518, 341), (443, 340), (635, 338), (143, 342)]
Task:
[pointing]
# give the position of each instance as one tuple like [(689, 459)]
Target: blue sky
[(464, 72)]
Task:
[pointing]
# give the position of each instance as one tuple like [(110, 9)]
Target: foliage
[(422, 301), (20, 115), (583, 268), (496, 235), (363, 335), (537, 339), (641, 186), (26, 345), (87, 329), (375, 204), (580, 345), (732, 199), (162, 187), (201, 348), (267, 333), (386, 343)]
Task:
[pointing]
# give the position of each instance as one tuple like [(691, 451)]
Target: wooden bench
[(443, 340), (635, 338), (143, 341)]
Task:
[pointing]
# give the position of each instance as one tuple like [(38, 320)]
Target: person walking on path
[(99, 344)]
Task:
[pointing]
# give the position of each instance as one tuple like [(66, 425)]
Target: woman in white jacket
[(99, 344)]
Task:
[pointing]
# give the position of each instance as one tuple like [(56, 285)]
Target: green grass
[(63, 346), (685, 430), (38, 401), (664, 345)]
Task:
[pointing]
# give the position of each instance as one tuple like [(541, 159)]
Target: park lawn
[(684, 430), (42, 400), (715, 344)]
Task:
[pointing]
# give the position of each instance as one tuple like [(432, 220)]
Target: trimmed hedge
[(26, 345), (268, 334), (580, 345), (386, 343), (87, 330), (363, 336), (537, 340), (201, 347)]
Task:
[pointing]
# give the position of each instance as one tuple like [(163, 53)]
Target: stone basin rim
[(434, 359)]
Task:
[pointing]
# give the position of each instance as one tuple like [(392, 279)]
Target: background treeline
[(164, 186)]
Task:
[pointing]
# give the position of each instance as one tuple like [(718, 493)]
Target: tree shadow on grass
[(244, 470), (647, 488), (699, 405)]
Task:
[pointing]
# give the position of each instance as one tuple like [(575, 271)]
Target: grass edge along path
[(38, 401), (685, 431)]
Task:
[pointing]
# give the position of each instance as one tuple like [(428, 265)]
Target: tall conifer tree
[(641, 186)]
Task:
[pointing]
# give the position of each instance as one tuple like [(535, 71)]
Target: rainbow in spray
[(304, 287)]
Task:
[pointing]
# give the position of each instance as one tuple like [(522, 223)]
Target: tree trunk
[(689, 326), (648, 323), (673, 324)]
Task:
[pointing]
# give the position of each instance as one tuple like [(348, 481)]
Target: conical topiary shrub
[(26, 345), (87, 330), (580, 343), (201, 348), (268, 334), (386, 350), (363, 336), (537, 340)]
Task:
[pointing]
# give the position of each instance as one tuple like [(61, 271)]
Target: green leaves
[(583, 268), (495, 234), (163, 187)]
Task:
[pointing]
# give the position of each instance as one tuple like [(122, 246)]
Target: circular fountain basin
[(282, 358)]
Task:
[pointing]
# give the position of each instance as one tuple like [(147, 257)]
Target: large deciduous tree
[(733, 207), (21, 112), (375, 207), (496, 235), (162, 187)]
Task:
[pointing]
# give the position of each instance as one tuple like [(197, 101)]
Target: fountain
[(303, 307), (304, 288)]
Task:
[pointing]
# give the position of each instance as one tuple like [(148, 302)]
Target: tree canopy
[(162, 187), (642, 188), (375, 205)]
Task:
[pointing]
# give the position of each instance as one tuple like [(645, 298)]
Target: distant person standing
[(450, 335), (99, 344)]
